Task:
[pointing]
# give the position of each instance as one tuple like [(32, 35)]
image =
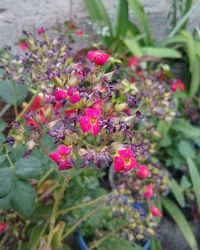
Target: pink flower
[(62, 157), (155, 211), (79, 33), (177, 84), (133, 61), (148, 193), (60, 94), (73, 95), (143, 172), (40, 31), (38, 117), (23, 45), (124, 161), (90, 122), (97, 105), (3, 226), (71, 113), (98, 57)]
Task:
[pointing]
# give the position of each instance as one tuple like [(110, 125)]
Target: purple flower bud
[(139, 115), (10, 140), (131, 100)]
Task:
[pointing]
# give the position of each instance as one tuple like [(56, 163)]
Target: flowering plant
[(83, 110)]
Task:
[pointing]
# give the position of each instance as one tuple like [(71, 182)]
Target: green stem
[(50, 170), (28, 106), (92, 212), (66, 210), (3, 241), (15, 99), (8, 157), (58, 198), (107, 235), (5, 108)]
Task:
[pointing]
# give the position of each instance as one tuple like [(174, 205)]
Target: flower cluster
[(90, 117)]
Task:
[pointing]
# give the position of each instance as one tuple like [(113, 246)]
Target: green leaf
[(121, 21), (118, 244), (2, 138), (141, 17), (36, 233), (181, 222), (98, 13), (195, 177), (23, 197), (5, 202), (185, 184), (7, 92), (133, 46), (186, 149), (186, 128), (178, 192), (155, 244), (28, 168), (132, 30), (195, 78), (184, 19), (161, 52), (5, 181)]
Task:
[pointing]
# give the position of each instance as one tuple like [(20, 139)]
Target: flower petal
[(92, 113), (118, 164), (85, 124), (126, 153), (95, 129), (63, 150), (55, 157)]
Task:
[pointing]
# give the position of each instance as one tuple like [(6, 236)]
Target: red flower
[(79, 33), (148, 193), (62, 157), (3, 226), (60, 94), (36, 104), (177, 84), (124, 161), (143, 172), (40, 31), (98, 57), (90, 122), (133, 61), (23, 45), (155, 211), (73, 95), (70, 113), (37, 118)]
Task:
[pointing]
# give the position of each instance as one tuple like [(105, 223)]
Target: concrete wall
[(16, 15)]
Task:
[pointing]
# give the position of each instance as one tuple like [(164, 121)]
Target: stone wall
[(16, 15)]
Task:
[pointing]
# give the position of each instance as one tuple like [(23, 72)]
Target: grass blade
[(195, 177), (142, 19), (181, 222), (177, 192), (121, 21), (161, 52)]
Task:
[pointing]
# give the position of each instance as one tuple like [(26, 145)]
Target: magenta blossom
[(73, 95), (90, 121), (62, 157), (124, 160), (155, 211), (143, 172), (60, 94), (148, 193), (98, 57), (40, 31)]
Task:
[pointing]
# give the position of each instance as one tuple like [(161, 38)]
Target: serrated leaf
[(5, 181), (186, 149), (5, 202), (28, 168), (181, 222), (23, 197), (178, 192), (7, 92), (195, 177)]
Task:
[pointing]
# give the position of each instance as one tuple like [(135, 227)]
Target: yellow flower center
[(93, 121)]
